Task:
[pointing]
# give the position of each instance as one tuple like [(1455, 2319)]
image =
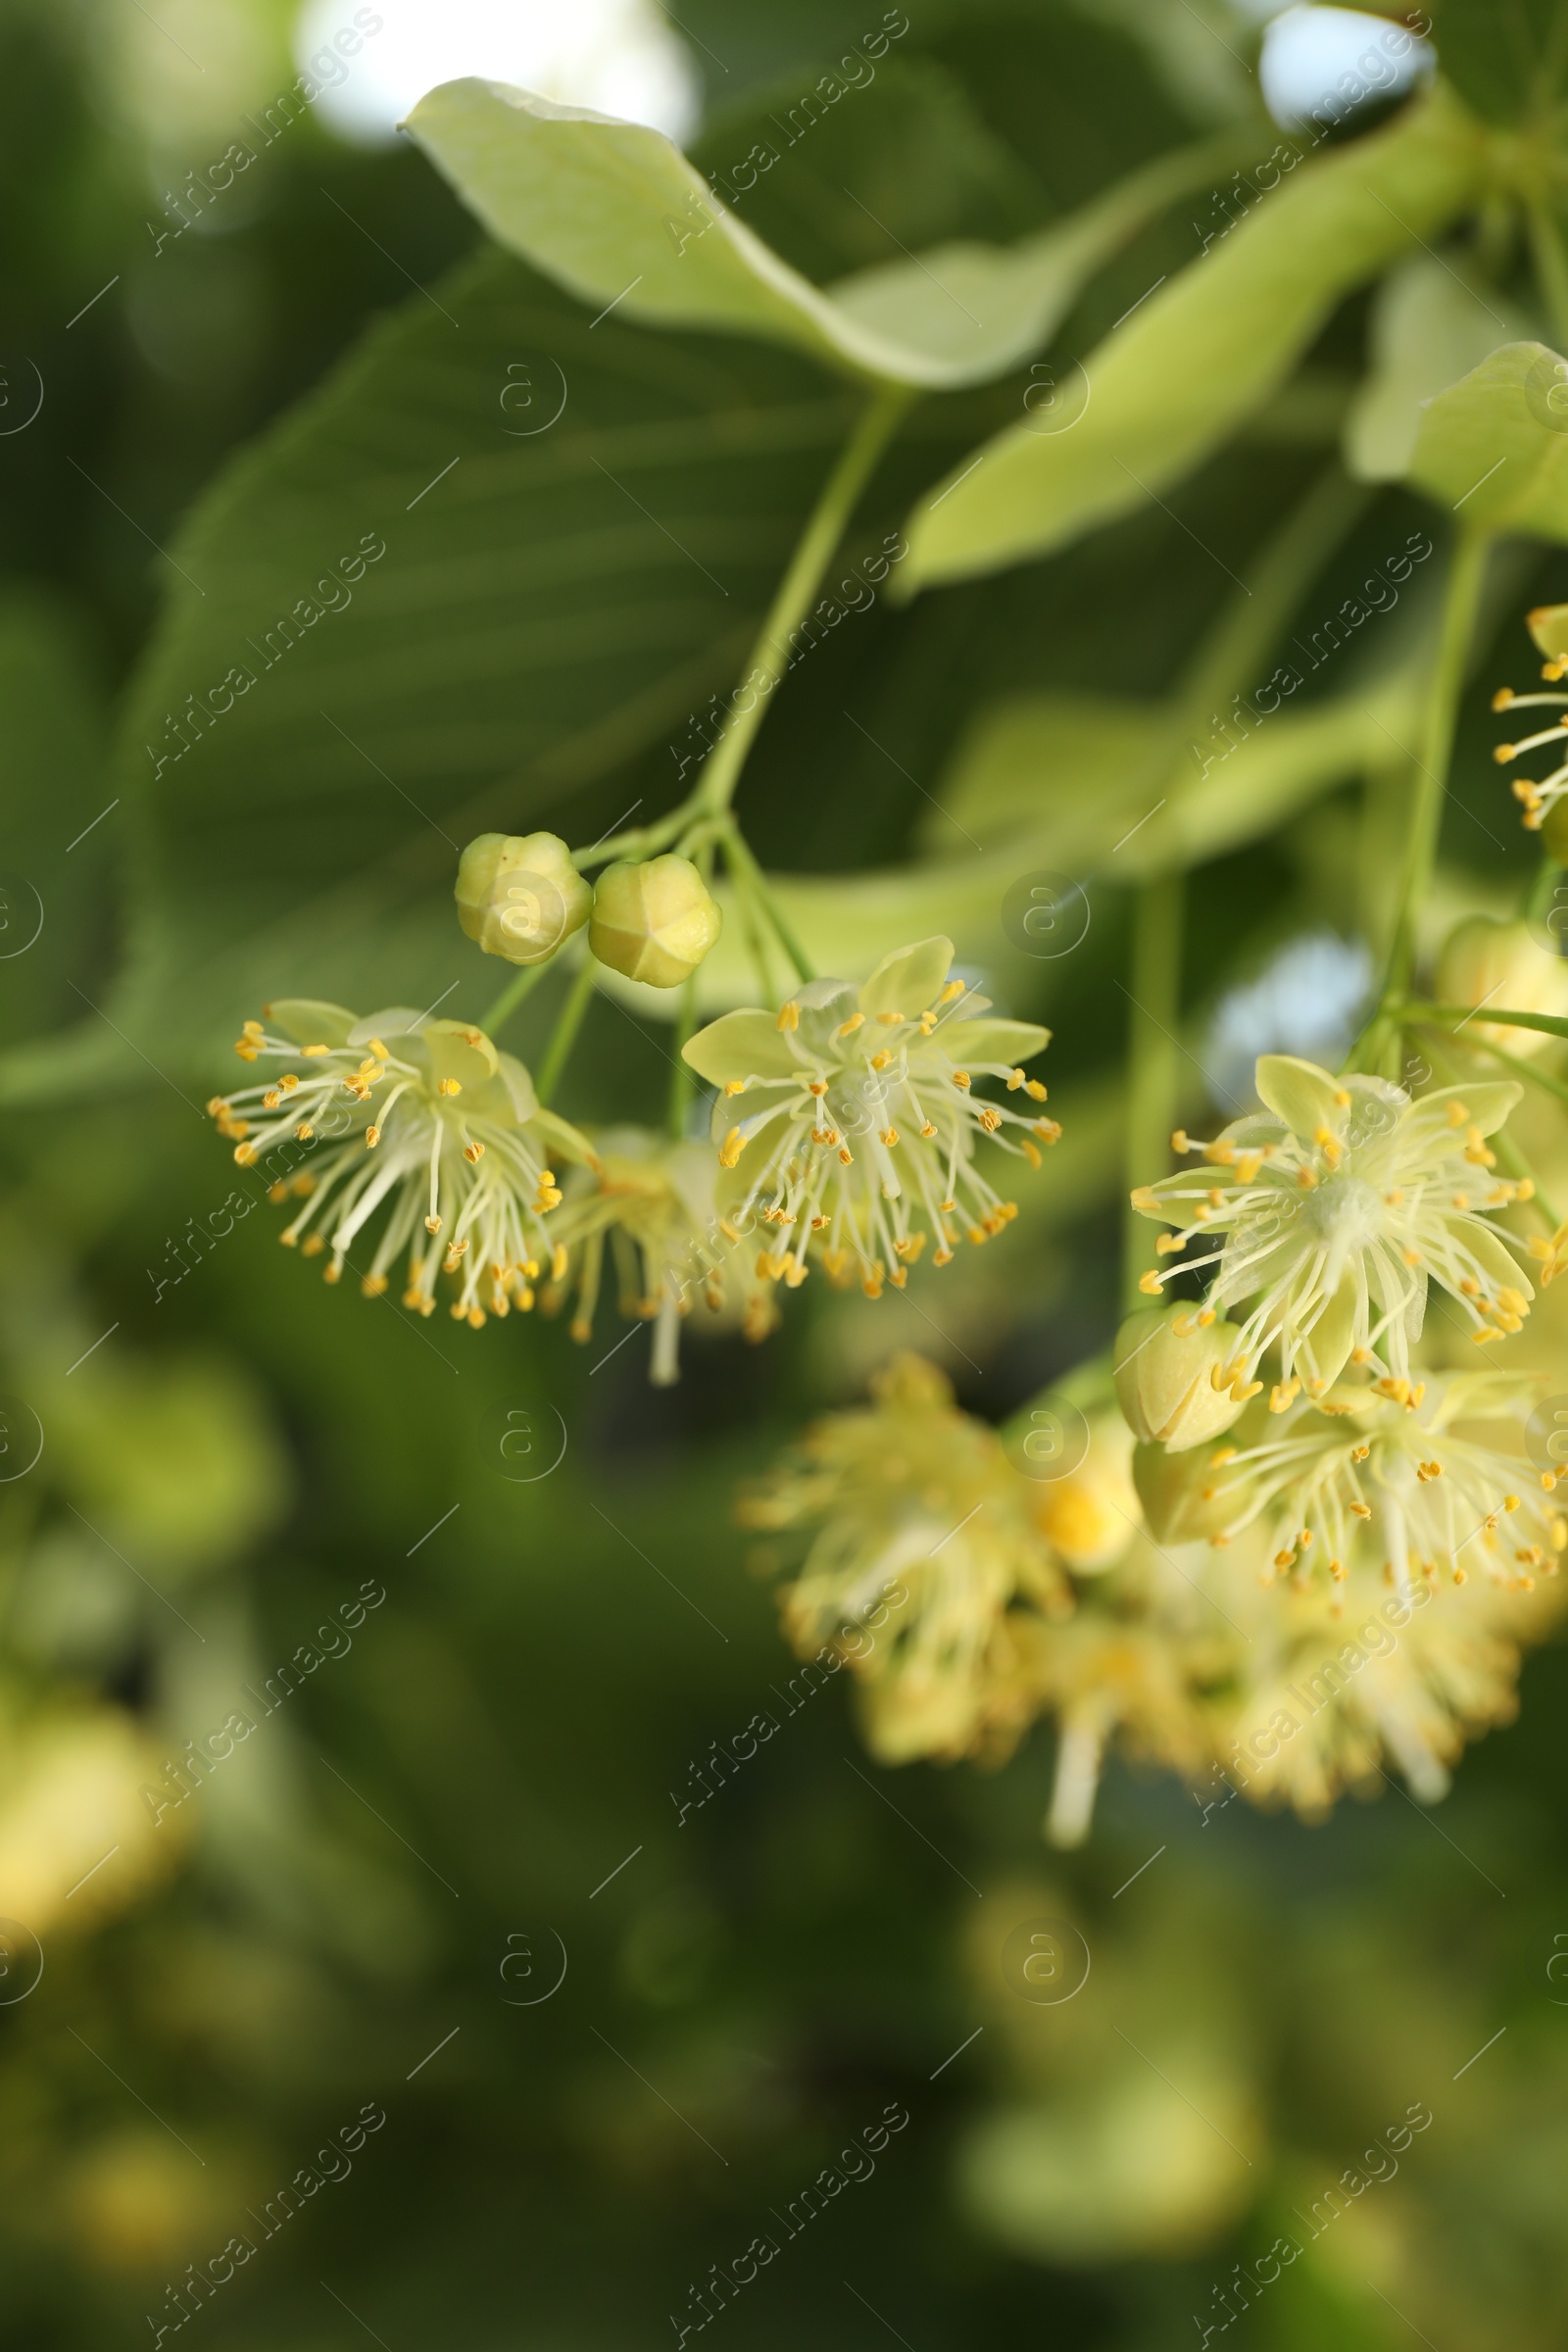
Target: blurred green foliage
[(361, 1903)]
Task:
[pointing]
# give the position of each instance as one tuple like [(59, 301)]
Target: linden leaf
[(615, 213)]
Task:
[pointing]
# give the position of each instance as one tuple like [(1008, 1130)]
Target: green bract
[(1172, 383)]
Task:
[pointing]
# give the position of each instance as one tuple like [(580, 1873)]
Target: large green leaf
[(616, 212), (59, 829), (1433, 321), (549, 605), (1508, 58), (1170, 385), (845, 198), (1495, 448)]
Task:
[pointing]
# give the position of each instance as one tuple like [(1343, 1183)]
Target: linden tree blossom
[(435, 1123), (1333, 1210), (1378, 1473), (924, 1533), (1325, 1697), (856, 1115), (651, 1205)]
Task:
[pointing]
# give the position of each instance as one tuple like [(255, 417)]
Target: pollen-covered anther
[(962, 1080), (789, 1015)]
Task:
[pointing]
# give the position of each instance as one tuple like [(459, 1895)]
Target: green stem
[(769, 655), (1152, 1056), (1551, 1024), (683, 1078), (1548, 1084), (817, 546), (1551, 267), (567, 1028), (511, 996), (745, 866), (1462, 599)]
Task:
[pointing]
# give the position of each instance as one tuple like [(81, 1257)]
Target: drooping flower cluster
[(938, 1572), (857, 1117), (424, 1117), (651, 1206), (913, 1498), (1334, 1211), (1378, 1473)]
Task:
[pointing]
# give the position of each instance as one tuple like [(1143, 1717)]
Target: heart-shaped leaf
[(616, 212)]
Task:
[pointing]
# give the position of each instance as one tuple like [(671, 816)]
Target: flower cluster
[(1333, 1210), (857, 1116), (424, 1117), (913, 1493), (651, 1206), (1377, 1471), (1209, 1643)]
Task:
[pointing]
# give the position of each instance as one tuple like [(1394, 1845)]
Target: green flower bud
[(520, 896), (1487, 962), (1164, 1361), (1185, 1498), (654, 923)]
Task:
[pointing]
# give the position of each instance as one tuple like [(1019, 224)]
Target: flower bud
[(520, 896), (1185, 1498), (1091, 1516), (1163, 1361), (654, 923), (1484, 961)]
